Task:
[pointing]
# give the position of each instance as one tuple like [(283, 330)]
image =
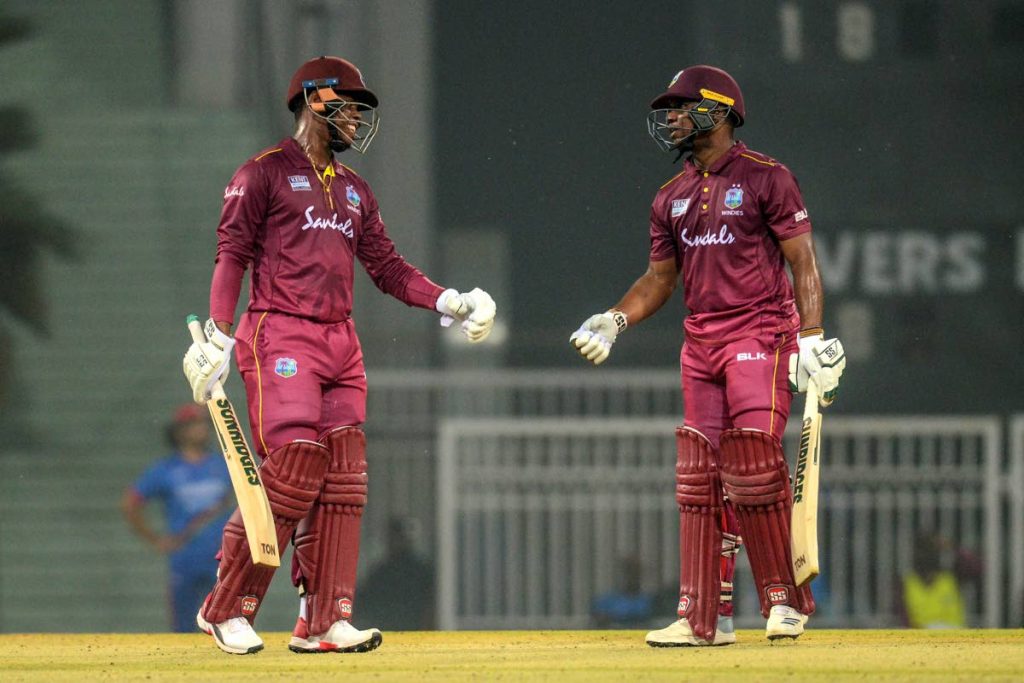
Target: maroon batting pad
[(327, 542), (699, 495), (292, 476), (756, 480)]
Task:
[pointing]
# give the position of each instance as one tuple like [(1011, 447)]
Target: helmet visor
[(352, 124)]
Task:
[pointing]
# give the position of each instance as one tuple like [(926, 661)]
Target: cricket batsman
[(729, 223), (299, 220)]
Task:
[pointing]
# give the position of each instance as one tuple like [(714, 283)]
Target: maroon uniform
[(723, 226), (301, 233)]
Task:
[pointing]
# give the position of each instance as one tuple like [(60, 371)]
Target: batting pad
[(292, 476), (699, 495), (756, 479), (327, 543)]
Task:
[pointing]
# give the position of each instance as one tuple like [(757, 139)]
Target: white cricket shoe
[(235, 636), (785, 622), (340, 637), (679, 634)]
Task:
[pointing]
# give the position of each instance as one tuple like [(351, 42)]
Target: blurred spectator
[(932, 595), (398, 592), (194, 487), (627, 606)]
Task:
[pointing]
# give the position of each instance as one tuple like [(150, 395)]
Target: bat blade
[(804, 522), (253, 505)]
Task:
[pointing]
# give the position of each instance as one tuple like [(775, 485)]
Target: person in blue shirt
[(194, 488)]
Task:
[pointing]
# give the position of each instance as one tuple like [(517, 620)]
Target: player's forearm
[(647, 295), (810, 299), (225, 288), (133, 514)]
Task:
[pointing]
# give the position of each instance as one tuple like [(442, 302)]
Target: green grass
[(821, 656)]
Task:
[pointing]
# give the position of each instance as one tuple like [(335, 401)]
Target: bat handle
[(196, 329), (199, 337)]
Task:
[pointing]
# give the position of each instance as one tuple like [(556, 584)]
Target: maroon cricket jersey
[(301, 236), (723, 227)]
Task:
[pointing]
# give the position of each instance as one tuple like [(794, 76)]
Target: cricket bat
[(245, 477), (804, 523)]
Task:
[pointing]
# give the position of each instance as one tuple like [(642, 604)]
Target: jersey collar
[(723, 161)]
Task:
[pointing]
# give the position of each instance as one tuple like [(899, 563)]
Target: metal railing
[(534, 514)]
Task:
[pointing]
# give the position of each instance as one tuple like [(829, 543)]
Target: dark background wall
[(900, 120)]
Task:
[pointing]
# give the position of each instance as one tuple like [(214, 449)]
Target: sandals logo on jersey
[(299, 182), (234, 191), (733, 197), (332, 223), (777, 595), (684, 605), (708, 239), (352, 196), (286, 367), (249, 604), (679, 206), (345, 607)]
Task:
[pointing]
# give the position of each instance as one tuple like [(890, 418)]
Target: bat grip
[(198, 336), (811, 399)]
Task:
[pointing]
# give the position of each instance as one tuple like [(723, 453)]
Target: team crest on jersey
[(679, 206), (299, 182), (733, 197), (286, 367), (352, 196)]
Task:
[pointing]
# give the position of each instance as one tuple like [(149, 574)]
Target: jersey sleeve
[(782, 205), (391, 273), (152, 483), (663, 244), (243, 216)]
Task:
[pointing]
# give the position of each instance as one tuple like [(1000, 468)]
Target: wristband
[(621, 321), (812, 332)]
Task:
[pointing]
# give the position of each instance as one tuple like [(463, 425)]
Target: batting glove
[(596, 335), (207, 363), (820, 359)]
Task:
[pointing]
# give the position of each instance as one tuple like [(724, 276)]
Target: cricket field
[(830, 656)]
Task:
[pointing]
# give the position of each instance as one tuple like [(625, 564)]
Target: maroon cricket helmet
[(696, 83), (319, 72)]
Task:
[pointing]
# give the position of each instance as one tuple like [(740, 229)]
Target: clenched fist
[(474, 309), (596, 335)]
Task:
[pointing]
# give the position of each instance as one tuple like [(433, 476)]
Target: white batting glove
[(596, 335), (208, 362), (474, 309), (820, 359)]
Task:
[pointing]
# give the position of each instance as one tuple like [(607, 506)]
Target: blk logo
[(751, 356)]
